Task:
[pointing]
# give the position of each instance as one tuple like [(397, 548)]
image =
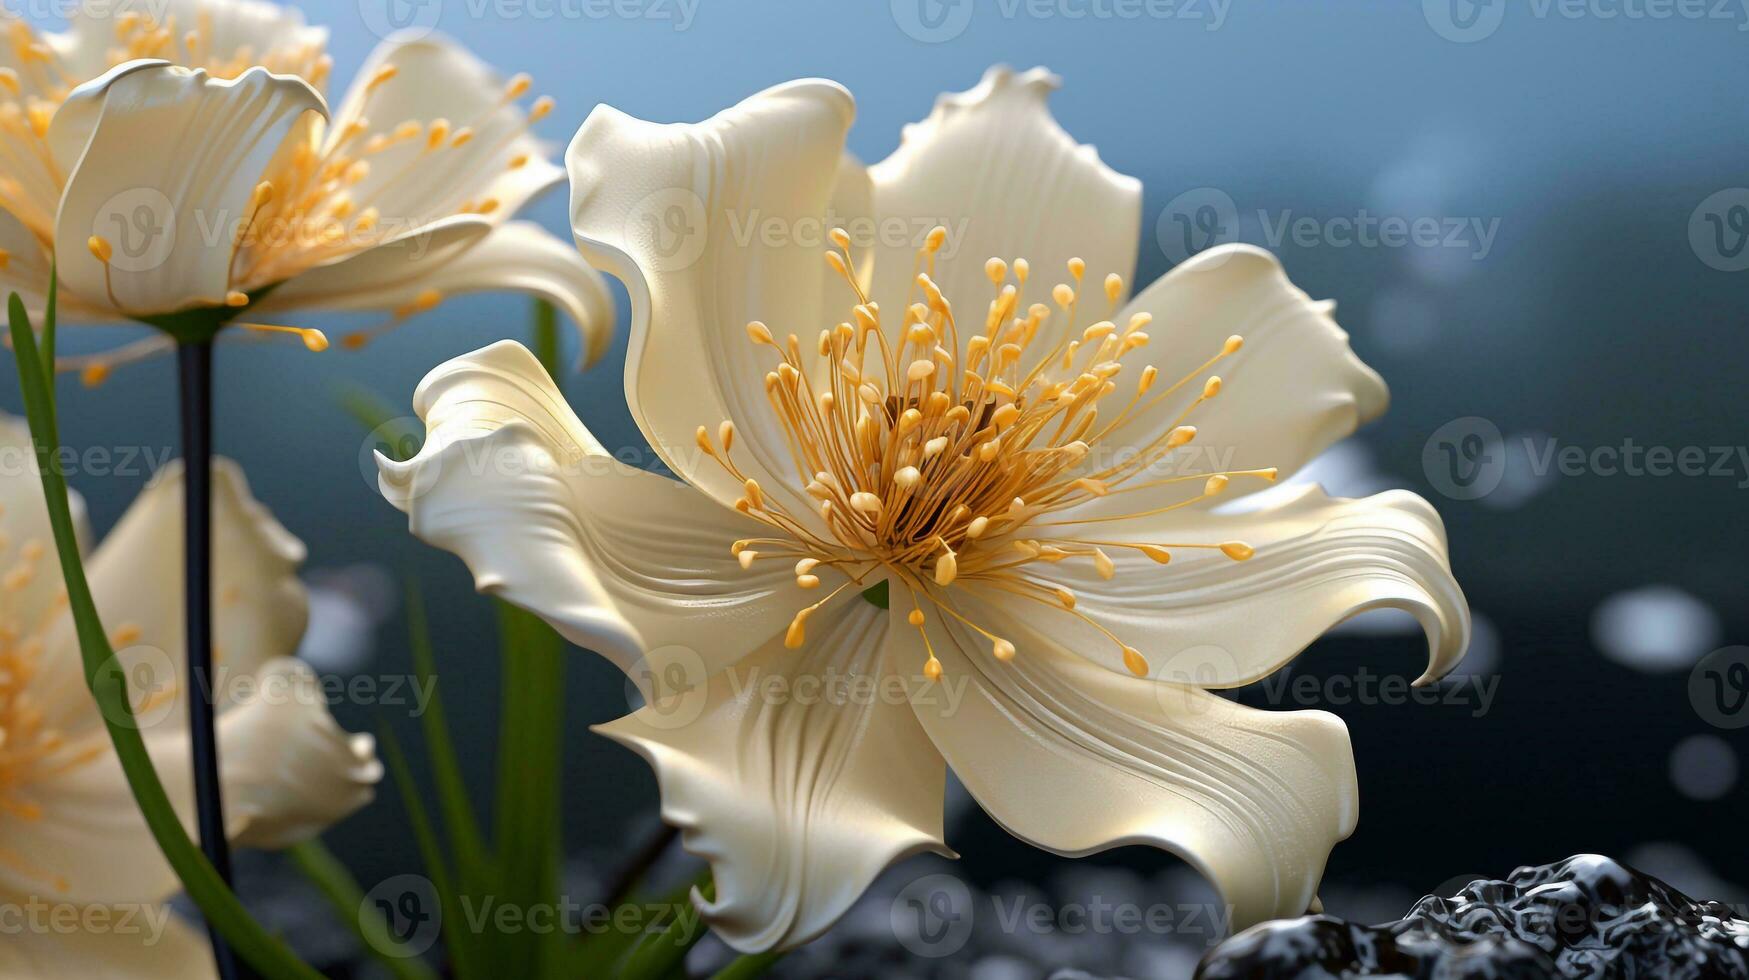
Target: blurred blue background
[(1586, 162)]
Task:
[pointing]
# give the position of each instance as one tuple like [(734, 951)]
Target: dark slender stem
[(195, 361), (619, 887)]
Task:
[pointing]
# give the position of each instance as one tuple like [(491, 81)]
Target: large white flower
[(193, 165), (73, 846), (1026, 471)]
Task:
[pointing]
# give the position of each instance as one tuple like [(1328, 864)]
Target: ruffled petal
[(633, 565), (162, 162), (518, 256), (797, 775), (994, 168), (1208, 620), (1292, 390), (1076, 759), (227, 32), (287, 770), (259, 605), (712, 225)]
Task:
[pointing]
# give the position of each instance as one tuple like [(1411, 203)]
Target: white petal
[(25, 270), (129, 942), (519, 255), (1208, 620), (30, 572), (1076, 759), (394, 267), (1290, 392), (289, 770), (161, 162), (708, 225), (630, 564), (993, 167), (259, 605), (436, 78), (797, 795), (286, 768)]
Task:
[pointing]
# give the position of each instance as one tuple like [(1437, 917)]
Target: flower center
[(941, 454)]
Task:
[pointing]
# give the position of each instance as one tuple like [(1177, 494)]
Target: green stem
[(337, 885), (108, 683), (660, 952)]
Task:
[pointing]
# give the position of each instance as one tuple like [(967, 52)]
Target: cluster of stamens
[(307, 211), (937, 454)]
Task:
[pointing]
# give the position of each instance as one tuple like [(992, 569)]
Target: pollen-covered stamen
[(931, 444)]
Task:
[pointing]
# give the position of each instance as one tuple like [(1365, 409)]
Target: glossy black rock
[(1587, 916)]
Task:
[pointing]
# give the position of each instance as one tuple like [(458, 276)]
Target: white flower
[(214, 178), (1013, 451), (73, 846)]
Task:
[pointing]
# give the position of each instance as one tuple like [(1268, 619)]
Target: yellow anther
[(1215, 484), (9, 81), (996, 270), (1103, 564), (236, 297), (933, 241), (1065, 597), (1133, 659), (1233, 344), (382, 77), (915, 618), (437, 134), (1077, 268), (808, 581), (908, 477), (797, 634), (865, 502), (755, 496), (1063, 294), (1237, 550), (262, 194), (977, 527), (94, 374), (747, 557), (519, 161), (462, 137), (1157, 553), (919, 370), (836, 261), (126, 635), (1022, 269), (1149, 373), (5, 259), (703, 439), (1180, 436), (759, 333), (807, 565), (932, 668), (726, 434), (1113, 287), (1211, 387), (1001, 649), (947, 568), (100, 248), (519, 85), (542, 107)]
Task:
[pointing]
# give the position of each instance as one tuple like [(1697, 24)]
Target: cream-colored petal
[(519, 256), (393, 267), (30, 572), (413, 182), (287, 771), (246, 32), (1076, 759), (630, 564), (1208, 620), (712, 225), (104, 942), (25, 270), (994, 168), (797, 775), (1290, 392), (161, 162), (259, 605)]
